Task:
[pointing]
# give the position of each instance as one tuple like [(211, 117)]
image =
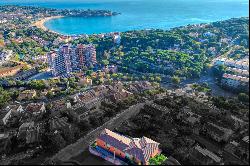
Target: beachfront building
[(129, 150), (71, 58)]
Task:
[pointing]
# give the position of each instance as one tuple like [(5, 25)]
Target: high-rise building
[(60, 60), (71, 58), (90, 55), (79, 58), (85, 55), (51, 59)]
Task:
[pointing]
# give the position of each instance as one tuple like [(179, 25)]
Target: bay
[(138, 14)]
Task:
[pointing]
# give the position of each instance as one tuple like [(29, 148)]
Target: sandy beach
[(40, 23)]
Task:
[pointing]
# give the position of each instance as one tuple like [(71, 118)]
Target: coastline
[(40, 23)]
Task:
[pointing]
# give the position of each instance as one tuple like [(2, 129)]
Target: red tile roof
[(34, 107), (141, 148)]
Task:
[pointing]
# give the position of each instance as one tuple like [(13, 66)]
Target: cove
[(139, 14)]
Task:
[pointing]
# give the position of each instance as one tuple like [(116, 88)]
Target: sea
[(138, 14)]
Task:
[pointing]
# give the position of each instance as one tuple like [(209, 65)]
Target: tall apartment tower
[(69, 58), (80, 49), (51, 56), (90, 55), (85, 55), (62, 61)]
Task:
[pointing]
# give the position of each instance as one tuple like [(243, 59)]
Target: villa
[(27, 95), (58, 106), (120, 96), (36, 108), (129, 150), (85, 81)]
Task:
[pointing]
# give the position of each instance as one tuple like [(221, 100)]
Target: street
[(82, 144)]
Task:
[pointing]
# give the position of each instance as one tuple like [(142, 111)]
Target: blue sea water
[(138, 14)]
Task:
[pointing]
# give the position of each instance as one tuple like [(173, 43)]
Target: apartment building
[(71, 58)]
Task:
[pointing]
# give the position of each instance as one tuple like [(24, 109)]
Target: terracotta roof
[(58, 105), (80, 46), (87, 96), (34, 107), (121, 95), (141, 148)]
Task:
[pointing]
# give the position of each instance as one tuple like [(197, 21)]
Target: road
[(206, 78), (82, 144)]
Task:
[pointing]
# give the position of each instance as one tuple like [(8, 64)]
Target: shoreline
[(40, 23)]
